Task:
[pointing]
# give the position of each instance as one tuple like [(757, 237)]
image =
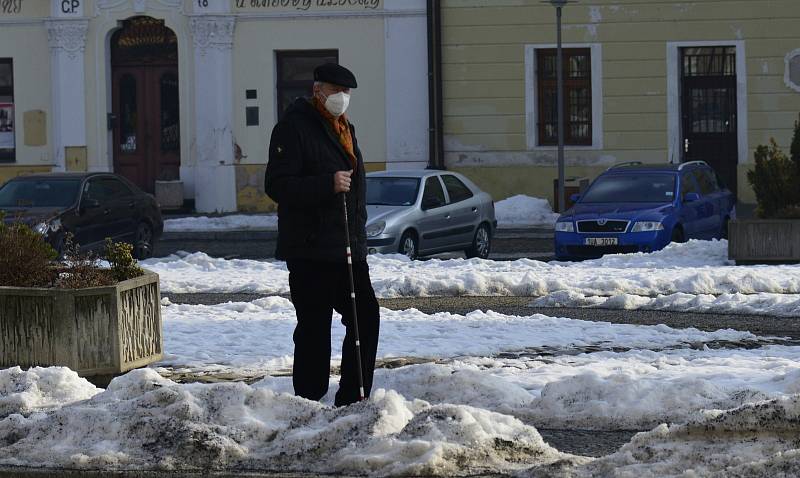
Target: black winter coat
[(304, 154)]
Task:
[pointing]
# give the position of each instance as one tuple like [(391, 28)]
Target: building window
[(7, 126), (792, 74), (296, 73), (577, 69)]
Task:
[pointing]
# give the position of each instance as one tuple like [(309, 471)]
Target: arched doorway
[(146, 108)]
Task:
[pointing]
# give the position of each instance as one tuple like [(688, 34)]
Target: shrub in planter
[(27, 260), (775, 181), (98, 321)]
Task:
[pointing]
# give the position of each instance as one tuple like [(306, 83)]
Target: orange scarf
[(341, 128)]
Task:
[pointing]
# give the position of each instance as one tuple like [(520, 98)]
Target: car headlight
[(376, 228), (45, 228), (41, 228), (647, 226), (565, 226)]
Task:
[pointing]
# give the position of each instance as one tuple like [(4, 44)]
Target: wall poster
[(6, 126)]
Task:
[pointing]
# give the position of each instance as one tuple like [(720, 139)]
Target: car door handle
[(474, 209), (447, 216)]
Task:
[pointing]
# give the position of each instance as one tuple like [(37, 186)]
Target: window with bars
[(296, 73), (577, 68), (7, 126)]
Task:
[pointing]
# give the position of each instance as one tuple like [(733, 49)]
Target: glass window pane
[(170, 113), (128, 114), (6, 77), (296, 73), (794, 70), (457, 190), (433, 196)]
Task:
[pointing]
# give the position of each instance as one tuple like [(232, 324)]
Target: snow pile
[(755, 440), (521, 211), (200, 273), (693, 253), (696, 267), (235, 222), (773, 305), (256, 337), (144, 421), (40, 388), (601, 391)]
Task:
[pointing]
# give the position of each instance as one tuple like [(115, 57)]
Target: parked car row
[(90, 206), (631, 207)]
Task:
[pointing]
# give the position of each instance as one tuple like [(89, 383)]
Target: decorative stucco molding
[(67, 35), (213, 32), (792, 83)]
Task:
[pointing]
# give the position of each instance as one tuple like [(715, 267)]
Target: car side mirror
[(691, 197), (574, 197)]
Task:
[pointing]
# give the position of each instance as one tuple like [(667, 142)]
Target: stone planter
[(98, 332), (764, 241), (169, 194)]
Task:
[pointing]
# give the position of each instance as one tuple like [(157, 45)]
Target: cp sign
[(70, 6)]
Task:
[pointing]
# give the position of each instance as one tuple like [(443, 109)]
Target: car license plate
[(601, 241)]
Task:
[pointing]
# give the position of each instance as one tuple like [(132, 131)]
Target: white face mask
[(337, 104)]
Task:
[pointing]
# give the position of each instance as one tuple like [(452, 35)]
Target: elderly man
[(313, 160)]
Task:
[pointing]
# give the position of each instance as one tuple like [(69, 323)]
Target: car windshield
[(658, 188), (39, 193), (392, 191)]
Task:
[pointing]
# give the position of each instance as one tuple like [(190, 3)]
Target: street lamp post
[(559, 4)]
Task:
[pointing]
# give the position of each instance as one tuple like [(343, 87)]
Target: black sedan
[(91, 206)]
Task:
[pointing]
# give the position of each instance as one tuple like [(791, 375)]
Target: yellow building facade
[(651, 81)]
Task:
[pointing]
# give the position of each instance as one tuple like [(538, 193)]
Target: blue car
[(634, 207)]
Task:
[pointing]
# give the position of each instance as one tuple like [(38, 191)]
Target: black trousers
[(318, 288)]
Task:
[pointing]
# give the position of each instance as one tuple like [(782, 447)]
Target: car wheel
[(677, 235), (481, 243), (143, 245), (409, 246)]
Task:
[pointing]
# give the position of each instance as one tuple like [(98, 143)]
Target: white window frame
[(531, 96), (786, 78), (674, 123)]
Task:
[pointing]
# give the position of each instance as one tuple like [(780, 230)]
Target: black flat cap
[(335, 74)]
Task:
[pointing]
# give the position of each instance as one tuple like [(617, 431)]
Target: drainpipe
[(435, 132)]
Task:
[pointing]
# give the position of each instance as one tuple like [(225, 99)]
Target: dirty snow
[(256, 337), (756, 440), (554, 371), (696, 267), (143, 421), (772, 305), (524, 211), (38, 388)]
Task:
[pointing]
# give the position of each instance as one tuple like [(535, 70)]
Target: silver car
[(423, 212)]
